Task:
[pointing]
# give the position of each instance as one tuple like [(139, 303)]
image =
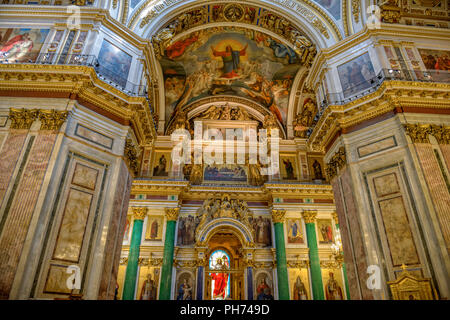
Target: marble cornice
[(79, 83), (391, 96)]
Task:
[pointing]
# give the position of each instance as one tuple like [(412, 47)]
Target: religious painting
[(435, 59), (299, 284), (264, 286), (262, 228), (332, 6), (148, 283), (114, 63), (161, 164), (294, 231), (316, 169), (229, 61), (355, 75), (325, 229), (154, 228), (288, 167), (220, 281), (21, 45), (186, 230), (225, 173), (333, 285), (126, 235)]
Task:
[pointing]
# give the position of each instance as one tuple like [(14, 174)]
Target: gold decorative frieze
[(298, 264), (278, 216), (356, 6), (172, 214), (309, 216), (139, 213), (418, 132), (131, 157), (185, 264), (22, 118), (337, 161), (331, 264), (52, 119), (441, 133)]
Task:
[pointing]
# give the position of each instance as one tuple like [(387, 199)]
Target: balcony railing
[(359, 90), (105, 74)]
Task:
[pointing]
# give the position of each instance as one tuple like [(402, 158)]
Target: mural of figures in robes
[(186, 230), (229, 61), (148, 291), (220, 284), (300, 292), (295, 234), (355, 75), (21, 45), (435, 59), (263, 230), (184, 287), (114, 63), (325, 231), (161, 168), (288, 167)]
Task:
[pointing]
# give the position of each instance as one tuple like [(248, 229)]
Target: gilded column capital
[(52, 119), (22, 118), (139, 213), (441, 133), (309, 216), (131, 156), (278, 216), (418, 132), (172, 214)]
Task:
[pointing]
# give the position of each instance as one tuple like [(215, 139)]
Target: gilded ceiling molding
[(82, 84), (22, 118), (345, 18), (52, 119), (139, 213), (309, 216), (418, 132), (356, 9)]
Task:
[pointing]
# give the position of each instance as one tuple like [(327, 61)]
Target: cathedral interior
[(114, 118)]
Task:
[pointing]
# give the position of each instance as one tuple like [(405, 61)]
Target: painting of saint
[(114, 63), (325, 231), (294, 231), (186, 230), (300, 292), (332, 6), (263, 289), (317, 169), (220, 284), (127, 229), (161, 168), (435, 59), (148, 291), (355, 75), (229, 61), (154, 228), (185, 288), (288, 167), (21, 45), (263, 230), (333, 290)]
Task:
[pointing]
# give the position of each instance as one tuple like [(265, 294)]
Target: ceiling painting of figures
[(229, 61)]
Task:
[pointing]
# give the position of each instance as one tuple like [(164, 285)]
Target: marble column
[(167, 267), (278, 217), (316, 275), (344, 268), (133, 255)]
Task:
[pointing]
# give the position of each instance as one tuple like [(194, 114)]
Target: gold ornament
[(309, 216), (172, 214), (22, 118), (337, 161), (278, 216), (52, 119), (441, 133), (139, 213), (418, 132), (131, 157)]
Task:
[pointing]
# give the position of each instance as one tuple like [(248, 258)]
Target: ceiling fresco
[(229, 61)]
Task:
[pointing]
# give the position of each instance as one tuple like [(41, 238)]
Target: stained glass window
[(220, 282)]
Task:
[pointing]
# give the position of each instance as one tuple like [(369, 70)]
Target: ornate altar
[(409, 287)]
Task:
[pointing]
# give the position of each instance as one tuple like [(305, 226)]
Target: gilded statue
[(196, 177), (254, 172), (225, 112), (305, 119)]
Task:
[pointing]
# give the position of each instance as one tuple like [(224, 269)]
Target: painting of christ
[(231, 61), (220, 284)]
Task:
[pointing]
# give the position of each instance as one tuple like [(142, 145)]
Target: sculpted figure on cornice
[(225, 112), (305, 119)]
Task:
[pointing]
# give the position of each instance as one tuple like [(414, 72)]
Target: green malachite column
[(344, 268), (283, 282), (316, 274), (167, 266), (133, 255)]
